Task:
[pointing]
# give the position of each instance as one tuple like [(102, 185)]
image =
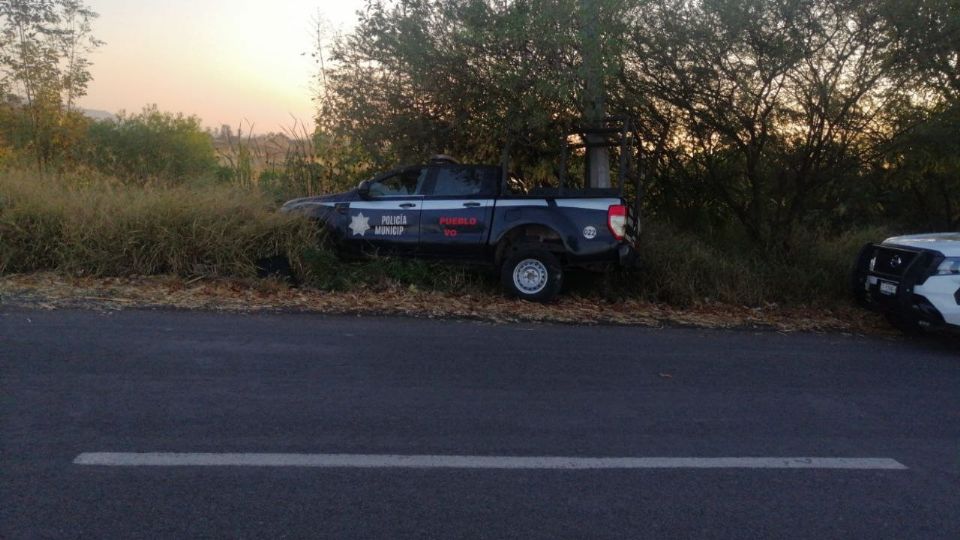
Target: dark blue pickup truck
[(468, 213)]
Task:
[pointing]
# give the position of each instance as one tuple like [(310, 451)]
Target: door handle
[(407, 205), (471, 204)]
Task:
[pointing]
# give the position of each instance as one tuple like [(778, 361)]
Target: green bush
[(150, 146)]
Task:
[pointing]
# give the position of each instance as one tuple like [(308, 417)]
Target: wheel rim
[(530, 276)]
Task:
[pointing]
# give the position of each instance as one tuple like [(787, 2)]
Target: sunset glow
[(225, 61)]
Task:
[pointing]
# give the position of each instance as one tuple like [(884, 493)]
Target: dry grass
[(105, 229), (683, 269)]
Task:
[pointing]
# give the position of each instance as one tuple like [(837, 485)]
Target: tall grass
[(102, 228), (681, 268), (285, 164), (108, 229)]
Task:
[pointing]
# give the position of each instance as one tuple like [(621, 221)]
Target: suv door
[(457, 210), (388, 219)]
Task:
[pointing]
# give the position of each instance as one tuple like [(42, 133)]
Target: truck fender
[(527, 229), (327, 220)]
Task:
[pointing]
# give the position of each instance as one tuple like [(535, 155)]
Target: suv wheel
[(532, 274)]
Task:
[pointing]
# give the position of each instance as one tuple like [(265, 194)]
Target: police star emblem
[(360, 224)]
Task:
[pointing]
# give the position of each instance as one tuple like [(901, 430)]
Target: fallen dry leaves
[(53, 291)]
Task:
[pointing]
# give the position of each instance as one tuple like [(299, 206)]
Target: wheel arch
[(545, 236)]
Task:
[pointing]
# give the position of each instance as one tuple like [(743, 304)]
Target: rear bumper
[(619, 254), (909, 291)]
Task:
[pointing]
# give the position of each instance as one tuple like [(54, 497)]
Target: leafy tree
[(44, 66), (927, 36), (761, 106), (774, 115), (920, 169), (463, 77), (922, 174)]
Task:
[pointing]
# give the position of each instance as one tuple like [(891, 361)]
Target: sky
[(227, 61)]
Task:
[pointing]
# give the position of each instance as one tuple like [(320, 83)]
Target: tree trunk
[(598, 158)]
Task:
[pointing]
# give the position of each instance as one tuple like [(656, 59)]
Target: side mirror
[(364, 189)]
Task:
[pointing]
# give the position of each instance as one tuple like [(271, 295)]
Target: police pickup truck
[(467, 213), (914, 280)]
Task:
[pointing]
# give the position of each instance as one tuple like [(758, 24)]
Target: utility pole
[(598, 158)]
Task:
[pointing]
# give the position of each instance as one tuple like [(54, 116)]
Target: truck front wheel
[(532, 274)]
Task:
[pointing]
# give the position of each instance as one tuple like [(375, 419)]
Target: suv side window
[(465, 181), (403, 184)]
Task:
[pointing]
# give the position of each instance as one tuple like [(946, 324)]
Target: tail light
[(617, 220)]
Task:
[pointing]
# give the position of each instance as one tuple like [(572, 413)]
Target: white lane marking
[(165, 459)]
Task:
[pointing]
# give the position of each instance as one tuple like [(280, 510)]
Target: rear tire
[(532, 274)]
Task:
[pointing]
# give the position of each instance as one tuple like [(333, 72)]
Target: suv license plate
[(888, 288)]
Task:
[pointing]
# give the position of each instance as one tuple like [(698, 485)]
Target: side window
[(460, 181), (403, 184)]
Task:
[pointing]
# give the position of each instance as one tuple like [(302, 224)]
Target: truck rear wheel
[(532, 274)]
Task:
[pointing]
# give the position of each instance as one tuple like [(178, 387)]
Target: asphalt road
[(73, 382)]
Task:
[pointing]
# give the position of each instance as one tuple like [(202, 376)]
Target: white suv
[(915, 280)]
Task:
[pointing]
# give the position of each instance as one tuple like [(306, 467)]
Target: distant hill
[(99, 115)]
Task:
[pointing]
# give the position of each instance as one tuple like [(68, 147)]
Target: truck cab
[(443, 209)]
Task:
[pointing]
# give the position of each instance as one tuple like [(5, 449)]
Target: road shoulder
[(53, 291)]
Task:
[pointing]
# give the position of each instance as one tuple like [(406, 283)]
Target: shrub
[(151, 145)]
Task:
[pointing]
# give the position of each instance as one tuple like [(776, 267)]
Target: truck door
[(457, 210), (388, 219)]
